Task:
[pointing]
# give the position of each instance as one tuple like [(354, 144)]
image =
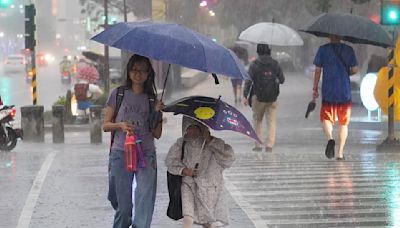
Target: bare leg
[(187, 222), (328, 128), (343, 132), (235, 93), (239, 92)]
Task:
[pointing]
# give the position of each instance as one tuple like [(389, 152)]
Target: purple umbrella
[(214, 113)]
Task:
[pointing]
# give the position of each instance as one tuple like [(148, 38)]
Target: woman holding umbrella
[(133, 116)]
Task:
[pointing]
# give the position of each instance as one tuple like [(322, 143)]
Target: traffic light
[(30, 27), (390, 12), (5, 3)]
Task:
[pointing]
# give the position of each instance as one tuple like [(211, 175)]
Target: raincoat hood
[(187, 121), (264, 60)]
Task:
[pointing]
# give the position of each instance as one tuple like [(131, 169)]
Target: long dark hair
[(149, 86)]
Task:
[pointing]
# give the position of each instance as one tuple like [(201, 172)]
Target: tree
[(94, 8)]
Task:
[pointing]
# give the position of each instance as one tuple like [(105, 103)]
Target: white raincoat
[(202, 196)]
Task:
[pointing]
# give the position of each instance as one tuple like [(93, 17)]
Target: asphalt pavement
[(65, 185)]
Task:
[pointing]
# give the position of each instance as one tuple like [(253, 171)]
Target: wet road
[(48, 185)]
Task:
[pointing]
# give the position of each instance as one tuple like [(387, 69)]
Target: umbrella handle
[(165, 82), (215, 78)]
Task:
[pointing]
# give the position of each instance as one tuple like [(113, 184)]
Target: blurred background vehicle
[(14, 63), (41, 59)]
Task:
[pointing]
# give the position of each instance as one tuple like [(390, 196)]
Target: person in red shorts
[(337, 62)]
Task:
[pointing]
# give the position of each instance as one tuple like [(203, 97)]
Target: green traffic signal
[(5, 3), (390, 12)]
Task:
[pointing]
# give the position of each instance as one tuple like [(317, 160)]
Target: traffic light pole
[(30, 43), (392, 62), (34, 85)]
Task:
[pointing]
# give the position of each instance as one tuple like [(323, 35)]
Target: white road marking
[(254, 217), (30, 203)]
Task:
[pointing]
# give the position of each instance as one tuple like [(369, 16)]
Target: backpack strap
[(119, 98), (340, 57)]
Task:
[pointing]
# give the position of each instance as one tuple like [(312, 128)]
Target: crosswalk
[(311, 191)]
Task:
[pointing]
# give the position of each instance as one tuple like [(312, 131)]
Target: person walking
[(263, 91), (337, 62), (135, 116), (204, 159), (237, 83)]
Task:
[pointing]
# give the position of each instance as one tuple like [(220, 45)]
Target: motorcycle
[(66, 77), (8, 133)]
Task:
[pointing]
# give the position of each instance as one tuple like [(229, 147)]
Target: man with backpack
[(262, 91)]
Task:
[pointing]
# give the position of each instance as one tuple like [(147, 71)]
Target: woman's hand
[(189, 172), (159, 106), (127, 127), (207, 136)]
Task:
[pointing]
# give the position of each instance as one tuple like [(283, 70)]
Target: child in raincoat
[(205, 158)]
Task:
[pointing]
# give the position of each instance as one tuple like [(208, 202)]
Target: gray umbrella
[(352, 28)]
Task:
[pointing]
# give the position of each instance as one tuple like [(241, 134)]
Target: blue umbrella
[(174, 44), (214, 113)]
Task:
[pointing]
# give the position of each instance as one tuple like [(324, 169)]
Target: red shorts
[(333, 112)]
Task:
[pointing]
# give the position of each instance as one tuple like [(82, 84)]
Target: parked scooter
[(8, 133)]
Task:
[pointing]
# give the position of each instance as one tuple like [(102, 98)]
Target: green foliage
[(60, 101)]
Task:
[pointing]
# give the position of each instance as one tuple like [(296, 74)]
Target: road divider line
[(254, 217), (30, 203)]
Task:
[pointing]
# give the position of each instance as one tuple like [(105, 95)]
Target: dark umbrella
[(310, 108), (214, 113), (174, 44), (93, 56), (352, 28)]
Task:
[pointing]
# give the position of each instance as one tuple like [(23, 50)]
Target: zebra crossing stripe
[(310, 194), (245, 206)]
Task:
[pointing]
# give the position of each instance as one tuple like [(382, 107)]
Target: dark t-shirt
[(135, 109), (336, 85)]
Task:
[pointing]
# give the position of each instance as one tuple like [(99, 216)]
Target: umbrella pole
[(165, 82)]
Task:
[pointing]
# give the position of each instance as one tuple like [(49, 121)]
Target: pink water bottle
[(130, 153)]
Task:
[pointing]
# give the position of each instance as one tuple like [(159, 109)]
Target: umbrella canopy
[(352, 28), (214, 113), (93, 56), (88, 73), (174, 44), (272, 34)]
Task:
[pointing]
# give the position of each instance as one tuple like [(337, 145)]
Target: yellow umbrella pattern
[(381, 91)]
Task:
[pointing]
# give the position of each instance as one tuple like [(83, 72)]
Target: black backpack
[(266, 82)]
